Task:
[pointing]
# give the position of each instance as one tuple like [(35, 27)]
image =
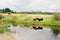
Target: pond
[(30, 34)]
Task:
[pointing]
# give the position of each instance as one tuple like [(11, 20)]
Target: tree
[(6, 10)]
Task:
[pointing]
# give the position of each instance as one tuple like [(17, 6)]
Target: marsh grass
[(24, 20), (56, 17)]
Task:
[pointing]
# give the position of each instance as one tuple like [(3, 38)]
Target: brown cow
[(9, 13), (39, 19)]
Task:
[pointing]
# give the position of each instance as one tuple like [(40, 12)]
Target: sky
[(31, 5)]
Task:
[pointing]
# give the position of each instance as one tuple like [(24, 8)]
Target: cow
[(39, 19), (9, 13)]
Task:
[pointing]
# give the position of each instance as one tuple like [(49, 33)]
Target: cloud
[(31, 5)]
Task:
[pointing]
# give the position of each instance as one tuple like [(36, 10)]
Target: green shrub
[(57, 17), (1, 16), (1, 30), (14, 21)]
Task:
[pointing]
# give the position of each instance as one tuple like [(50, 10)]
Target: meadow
[(26, 20)]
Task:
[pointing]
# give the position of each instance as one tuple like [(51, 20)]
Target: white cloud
[(31, 5)]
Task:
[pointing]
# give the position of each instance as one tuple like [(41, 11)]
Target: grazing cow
[(35, 19), (9, 13), (39, 19)]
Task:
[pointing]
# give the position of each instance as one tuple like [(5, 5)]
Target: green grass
[(1, 30), (25, 20)]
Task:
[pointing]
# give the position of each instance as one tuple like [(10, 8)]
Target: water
[(29, 34)]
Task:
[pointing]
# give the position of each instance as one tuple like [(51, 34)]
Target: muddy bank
[(7, 36)]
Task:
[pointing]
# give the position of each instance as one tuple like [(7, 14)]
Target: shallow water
[(29, 34)]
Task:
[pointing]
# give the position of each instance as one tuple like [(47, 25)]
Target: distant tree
[(6, 10), (12, 11)]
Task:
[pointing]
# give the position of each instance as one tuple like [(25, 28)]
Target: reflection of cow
[(39, 19), (40, 28), (36, 28)]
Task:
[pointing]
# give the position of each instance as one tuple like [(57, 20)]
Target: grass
[(25, 20), (1, 30)]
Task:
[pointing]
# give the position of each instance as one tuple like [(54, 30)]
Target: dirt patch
[(7, 36)]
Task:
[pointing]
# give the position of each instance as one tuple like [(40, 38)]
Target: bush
[(14, 21), (1, 16), (57, 17), (1, 30)]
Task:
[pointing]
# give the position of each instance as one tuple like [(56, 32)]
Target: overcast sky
[(31, 5)]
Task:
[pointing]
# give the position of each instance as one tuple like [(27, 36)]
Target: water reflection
[(56, 31), (28, 34)]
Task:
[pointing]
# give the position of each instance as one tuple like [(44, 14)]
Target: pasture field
[(29, 17)]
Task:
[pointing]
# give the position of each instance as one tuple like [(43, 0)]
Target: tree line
[(6, 10)]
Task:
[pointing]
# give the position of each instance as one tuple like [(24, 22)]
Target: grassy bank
[(25, 20)]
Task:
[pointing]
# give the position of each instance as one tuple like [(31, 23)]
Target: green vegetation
[(25, 20), (1, 30), (6, 10), (57, 16)]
